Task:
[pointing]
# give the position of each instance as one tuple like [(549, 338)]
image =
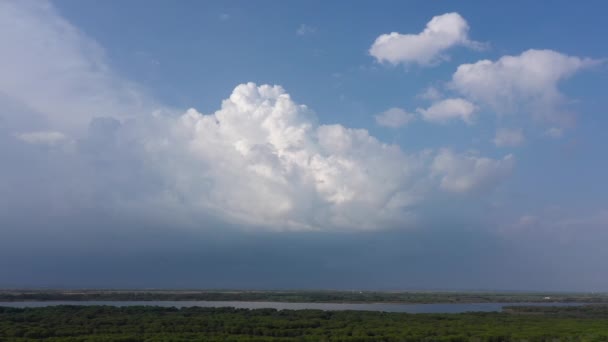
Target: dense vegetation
[(586, 311), (146, 323), (303, 296)]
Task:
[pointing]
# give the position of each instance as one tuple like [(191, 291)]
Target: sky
[(382, 145)]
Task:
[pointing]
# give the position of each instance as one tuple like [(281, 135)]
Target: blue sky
[(303, 144)]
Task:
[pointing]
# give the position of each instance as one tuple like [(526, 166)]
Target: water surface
[(384, 307)]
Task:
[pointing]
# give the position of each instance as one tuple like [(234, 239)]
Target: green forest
[(149, 323)]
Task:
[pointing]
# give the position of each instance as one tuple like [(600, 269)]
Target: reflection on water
[(410, 308)]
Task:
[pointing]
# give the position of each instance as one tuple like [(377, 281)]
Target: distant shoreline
[(330, 297)]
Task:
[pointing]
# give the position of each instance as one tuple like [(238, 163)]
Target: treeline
[(301, 296), (145, 323), (586, 311)]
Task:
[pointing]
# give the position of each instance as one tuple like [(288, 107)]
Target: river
[(384, 307)]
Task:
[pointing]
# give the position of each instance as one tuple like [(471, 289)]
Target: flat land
[(405, 297)]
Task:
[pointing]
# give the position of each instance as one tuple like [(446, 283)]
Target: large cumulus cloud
[(261, 160), (266, 161), (77, 137)]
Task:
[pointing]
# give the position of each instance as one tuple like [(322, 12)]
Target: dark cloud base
[(104, 252)]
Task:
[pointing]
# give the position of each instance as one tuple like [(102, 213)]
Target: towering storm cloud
[(261, 160)]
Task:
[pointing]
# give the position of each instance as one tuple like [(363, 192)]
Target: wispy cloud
[(42, 137), (509, 137), (305, 29), (394, 118)]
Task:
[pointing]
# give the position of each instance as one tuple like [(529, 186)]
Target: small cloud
[(304, 30), (431, 93), (428, 47), (42, 137), (554, 132), (509, 137), (224, 16), (448, 110), (394, 118), (464, 173), (558, 224), (528, 220)]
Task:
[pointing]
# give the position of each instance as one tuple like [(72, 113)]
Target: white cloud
[(448, 110), (526, 83), (469, 172), (42, 137), (431, 94), (261, 160), (509, 137), (394, 118), (427, 47), (53, 69), (305, 30), (554, 132), (267, 162)]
